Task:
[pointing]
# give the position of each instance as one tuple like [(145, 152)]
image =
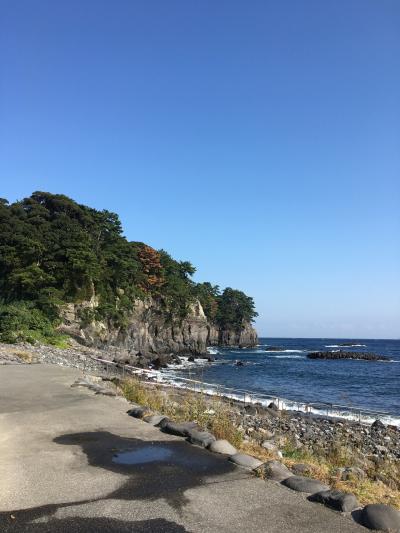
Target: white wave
[(290, 357), (282, 351), (345, 346), (212, 351), (282, 403)]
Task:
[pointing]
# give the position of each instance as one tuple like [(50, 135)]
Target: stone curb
[(370, 516)]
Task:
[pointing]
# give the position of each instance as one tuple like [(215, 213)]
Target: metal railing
[(246, 397)]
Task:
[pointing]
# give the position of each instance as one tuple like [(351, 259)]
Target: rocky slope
[(152, 335)]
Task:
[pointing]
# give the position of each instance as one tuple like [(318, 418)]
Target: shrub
[(22, 322)]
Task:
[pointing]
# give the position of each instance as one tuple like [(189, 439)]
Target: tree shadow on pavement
[(154, 470)]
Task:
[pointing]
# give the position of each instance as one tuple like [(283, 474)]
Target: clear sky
[(260, 140)]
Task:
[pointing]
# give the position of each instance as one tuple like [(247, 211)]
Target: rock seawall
[(152, 334)]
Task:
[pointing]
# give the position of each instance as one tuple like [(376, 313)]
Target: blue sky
[(260, 140)]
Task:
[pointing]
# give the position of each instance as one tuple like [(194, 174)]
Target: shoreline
[(89, 358), (328, 448)]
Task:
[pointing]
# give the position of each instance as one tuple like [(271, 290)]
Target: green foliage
[(54, 251), (234, 309), (177, 288), (21, 322), (208, 296)]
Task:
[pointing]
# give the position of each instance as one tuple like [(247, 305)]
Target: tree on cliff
[(234, 309), (55, 251)]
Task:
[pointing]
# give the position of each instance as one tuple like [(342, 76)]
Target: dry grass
[(27, 357), (211, 413), (215, 414)]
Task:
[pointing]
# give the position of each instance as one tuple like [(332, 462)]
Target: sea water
[(289, 374)]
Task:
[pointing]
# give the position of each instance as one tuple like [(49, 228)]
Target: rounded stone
[(222, 446), (269, 446), (304, 484), (276, 471), (336, 499), (154, 420), (300, 469), (138, 412), (381, 517), (179, 429), (200, 438), (245, 461)]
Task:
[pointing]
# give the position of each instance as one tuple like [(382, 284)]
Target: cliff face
[(151, 335), (244, 337)]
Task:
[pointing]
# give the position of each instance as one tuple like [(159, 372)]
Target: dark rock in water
[(274, 349), (239, 363), (191, 358), (378, 426), (347, 355), (336, 499), (304, 484), (381, 517)]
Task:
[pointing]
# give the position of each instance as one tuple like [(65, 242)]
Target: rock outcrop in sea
[(347, 355)]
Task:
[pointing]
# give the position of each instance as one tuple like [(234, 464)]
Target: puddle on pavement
[(172, 454), (146, 454)]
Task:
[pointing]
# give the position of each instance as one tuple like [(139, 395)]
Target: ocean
[(288, 374)]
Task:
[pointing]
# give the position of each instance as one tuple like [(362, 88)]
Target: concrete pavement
[(57, 473)]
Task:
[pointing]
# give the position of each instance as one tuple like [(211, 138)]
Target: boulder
[(276, 471), (138, 412), (251, 409), (270, 446), (106, 392), (222, 446), (381, 517), (378, 425), (351, 472), (273, 406), (200, 438), (245, 461), (304, 484), (301, 469), (94, 387), (154, 420), (336, 499), (267, 434), (179, 429)]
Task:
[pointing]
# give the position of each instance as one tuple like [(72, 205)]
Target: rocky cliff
[(151, 334)]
